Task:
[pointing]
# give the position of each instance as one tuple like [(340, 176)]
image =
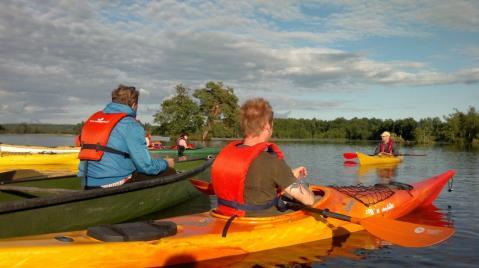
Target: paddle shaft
[(351, 155), (324, 212)]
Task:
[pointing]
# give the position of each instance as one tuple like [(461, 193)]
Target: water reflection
[(354, 246), (372, 174)]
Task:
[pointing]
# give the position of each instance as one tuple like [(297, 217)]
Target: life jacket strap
[(227, 225), (98, 147)]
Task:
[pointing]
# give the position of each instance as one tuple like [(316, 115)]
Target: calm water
[(325, 163)]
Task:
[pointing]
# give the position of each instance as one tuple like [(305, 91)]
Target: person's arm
[(183, 143), (136, 143), (291, 181), (301, 192)]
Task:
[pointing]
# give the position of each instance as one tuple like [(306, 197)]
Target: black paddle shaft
[(325, 212)]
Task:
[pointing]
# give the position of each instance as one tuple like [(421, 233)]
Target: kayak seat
[(133, 231)]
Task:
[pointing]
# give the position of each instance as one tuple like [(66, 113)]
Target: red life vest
[(229, 172), (95, 134), (389, 149)]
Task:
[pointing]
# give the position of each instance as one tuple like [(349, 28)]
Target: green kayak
[(34, 206), (204, 151)]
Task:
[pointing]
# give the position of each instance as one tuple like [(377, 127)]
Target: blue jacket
[(127, 136)]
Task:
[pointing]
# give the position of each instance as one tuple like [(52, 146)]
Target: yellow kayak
[(16, 160), (12, 148), (365, 159)]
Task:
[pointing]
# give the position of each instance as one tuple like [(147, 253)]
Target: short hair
[(254, 114), (125, 95), (386, 133)]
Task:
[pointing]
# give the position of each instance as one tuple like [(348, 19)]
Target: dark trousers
[(137, 176), (181, 150)]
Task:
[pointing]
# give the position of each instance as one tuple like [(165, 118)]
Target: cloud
[(69, 56)]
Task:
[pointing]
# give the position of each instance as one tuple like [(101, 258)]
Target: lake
[(324, 161)]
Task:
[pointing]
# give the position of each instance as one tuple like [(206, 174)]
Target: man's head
[(184, 136), (256, 118), (126, 95), (385, 136)]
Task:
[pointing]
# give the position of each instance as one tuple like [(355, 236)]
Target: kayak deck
[(15, 160), (12, 148)]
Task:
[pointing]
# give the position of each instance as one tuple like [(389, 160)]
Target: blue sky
[(60, 60)]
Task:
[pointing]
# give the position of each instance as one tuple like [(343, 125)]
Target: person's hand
[(300, 172), (171, 162)]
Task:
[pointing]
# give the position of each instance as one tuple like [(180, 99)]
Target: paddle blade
[(406, 234), (203, 186), (350, 155)]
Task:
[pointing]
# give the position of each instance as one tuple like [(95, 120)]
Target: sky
[(60, 60)]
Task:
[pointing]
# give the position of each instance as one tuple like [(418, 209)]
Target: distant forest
[(458, 127), (212, 111), (25, 128)]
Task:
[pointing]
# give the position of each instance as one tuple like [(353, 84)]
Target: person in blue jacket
[(113, 146)]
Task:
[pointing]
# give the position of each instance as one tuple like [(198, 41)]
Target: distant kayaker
[(247, 175), (182, 144), (386, 146), (113, 146)]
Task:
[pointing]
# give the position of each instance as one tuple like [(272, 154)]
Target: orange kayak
[(202, 236)]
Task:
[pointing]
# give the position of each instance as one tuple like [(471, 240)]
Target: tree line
[(212, 111)]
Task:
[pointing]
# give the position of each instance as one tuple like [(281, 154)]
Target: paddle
[(19, 174), (401, 233), (203, 186), (404, 234), (350, 155)]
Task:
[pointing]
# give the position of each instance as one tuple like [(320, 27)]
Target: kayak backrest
[(133, 231)]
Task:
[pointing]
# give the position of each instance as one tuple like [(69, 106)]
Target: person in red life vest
[(182, 144), (248, 175), (113, 146), (148, 140), (386, 146)]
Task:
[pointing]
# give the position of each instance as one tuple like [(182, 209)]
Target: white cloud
[(70, 55)]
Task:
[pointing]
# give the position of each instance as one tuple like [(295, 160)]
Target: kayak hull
[(11, 148), (21, 160), (365, 159), (199, 236), (21, 215)]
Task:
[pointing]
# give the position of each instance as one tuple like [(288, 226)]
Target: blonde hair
[(125, 95), (254, 115)]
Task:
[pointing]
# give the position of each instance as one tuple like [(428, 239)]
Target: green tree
[(78, 127), (463, 127), (22, 128), (219, 105), (179, 114), (2, 129)]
